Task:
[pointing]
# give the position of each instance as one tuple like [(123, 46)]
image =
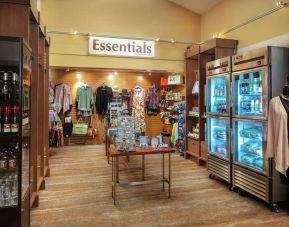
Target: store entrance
[(84, 104)]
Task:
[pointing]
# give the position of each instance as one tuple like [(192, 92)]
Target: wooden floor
[(78, 193)]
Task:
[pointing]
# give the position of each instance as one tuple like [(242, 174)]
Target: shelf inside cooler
[(249, 144)]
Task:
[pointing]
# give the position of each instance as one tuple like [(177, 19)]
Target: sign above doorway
[(121, 47)]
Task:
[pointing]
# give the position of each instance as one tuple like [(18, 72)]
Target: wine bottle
[(15, 119), (6, 120)]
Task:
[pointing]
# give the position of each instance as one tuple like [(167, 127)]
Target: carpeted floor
[(78, 193)]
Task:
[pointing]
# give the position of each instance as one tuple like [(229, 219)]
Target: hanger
[(285, 93)]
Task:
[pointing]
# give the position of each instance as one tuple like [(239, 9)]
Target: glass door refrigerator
[(258, 76), (15, 70), (218, 118)]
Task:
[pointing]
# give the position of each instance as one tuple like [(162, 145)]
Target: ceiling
[(197, 6)]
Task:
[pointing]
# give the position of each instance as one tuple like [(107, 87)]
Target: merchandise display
[(152, 100), (219, 118), (84, 100), (103, 96), (138, 107), (115, 108), (15, 120), (62, 97), (251, 130), (126, 133)]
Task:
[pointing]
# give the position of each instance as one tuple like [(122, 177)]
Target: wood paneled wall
[(124, 80)]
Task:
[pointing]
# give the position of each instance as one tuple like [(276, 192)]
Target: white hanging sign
[(121, 47)]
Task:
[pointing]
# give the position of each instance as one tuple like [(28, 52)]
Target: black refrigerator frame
[(15, 54)]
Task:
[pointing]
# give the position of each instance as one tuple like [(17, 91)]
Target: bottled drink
[(242, 104), (14, 87), (5, 88), (257, 105), (246, 89), (256, 84), (252, 106), (12, 161), (242, 88), (251, 85), (6, 120), (216, 89), (3, 162), (260, 104), (15, 119)]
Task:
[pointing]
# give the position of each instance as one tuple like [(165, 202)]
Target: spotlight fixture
[(157, 39), (281, 4), (172, 41), (110, 77), (75, 33), (78, 76), (115, 73)]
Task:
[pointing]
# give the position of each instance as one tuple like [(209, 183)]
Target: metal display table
[(115, 154)]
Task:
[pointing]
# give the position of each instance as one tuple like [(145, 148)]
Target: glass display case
[(217, 94), (218, 136), (250, 93), (249, 144), (15, 72)]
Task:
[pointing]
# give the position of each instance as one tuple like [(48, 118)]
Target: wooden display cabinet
[(196, 58), (20, 18)]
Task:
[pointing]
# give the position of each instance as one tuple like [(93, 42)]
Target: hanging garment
[(84, 101), (277, 139), (137, 104), (175, 134), (51, 92), (103, 96), (152, 100), (62, 97)]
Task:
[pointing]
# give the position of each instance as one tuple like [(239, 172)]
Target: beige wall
[(132, 18), (229, 13)]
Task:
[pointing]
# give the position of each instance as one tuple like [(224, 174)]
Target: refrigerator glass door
[(25, 133), (250, 93), (218, 137), (249, 144), (217, 94)]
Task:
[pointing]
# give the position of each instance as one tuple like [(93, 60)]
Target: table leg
[(163, 166), (169, 175), (143, 167), (112, 179), (114, 182), (117, 177)]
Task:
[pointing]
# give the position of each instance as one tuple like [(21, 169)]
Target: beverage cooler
[(218, 140), (258, 76), (218, 120), (15, 70)]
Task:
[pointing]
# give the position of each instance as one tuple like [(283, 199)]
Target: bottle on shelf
[(251, 85), (6, 120), (12, 160), (3, 162), (216, 89), (15, 119)]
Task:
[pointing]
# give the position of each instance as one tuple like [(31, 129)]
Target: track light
[(172, 41), (157, 39), (75, 33)]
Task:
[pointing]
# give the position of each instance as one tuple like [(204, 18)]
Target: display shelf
[(192, 154), (196, 58), (15, 147)]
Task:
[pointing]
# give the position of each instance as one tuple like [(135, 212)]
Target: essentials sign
[(121, 47)]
